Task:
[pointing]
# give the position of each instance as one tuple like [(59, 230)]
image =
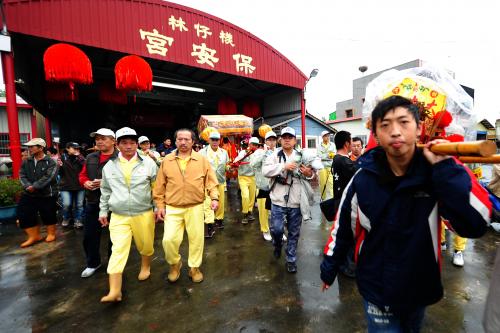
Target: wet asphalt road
[(245, 288)]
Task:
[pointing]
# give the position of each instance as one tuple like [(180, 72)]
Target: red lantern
[(108, 94), (67, 63), (226, 105), (252, 109), (132, 73)]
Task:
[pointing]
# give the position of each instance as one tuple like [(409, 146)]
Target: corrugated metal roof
[(155, 29)]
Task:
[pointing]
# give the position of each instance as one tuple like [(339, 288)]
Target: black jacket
[(42, 177), (94, 171), (69, 171)]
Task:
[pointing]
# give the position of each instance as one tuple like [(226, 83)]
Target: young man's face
[(128, 147), (326, 138), (397, 132), (72, 151), (167, 142), (356, 148)]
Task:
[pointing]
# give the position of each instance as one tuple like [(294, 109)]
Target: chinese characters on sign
[(156, 42), (174, 23), (204, 54), (159, 44), (226, 38), (202, 30), (243, 65)]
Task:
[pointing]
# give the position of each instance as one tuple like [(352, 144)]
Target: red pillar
[(303, 118), (34, 129), (12, 115), (48, 134)]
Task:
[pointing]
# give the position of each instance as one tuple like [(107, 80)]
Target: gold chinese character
[(156, 42), (174, 23), (244, 65), (205, 55), (202, 30), (226, 38)]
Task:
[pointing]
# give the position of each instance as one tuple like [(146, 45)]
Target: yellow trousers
[(263, 215), (122, 229), (210, 215), (326, 179), (248, 188), (459, 243), (178, 219)]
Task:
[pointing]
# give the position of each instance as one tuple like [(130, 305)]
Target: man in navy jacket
[(391, 212)]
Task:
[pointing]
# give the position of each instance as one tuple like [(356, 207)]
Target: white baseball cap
[(142, 139), (325, 133), (104, 132), (288, 130), (254, 140), (214, 135), (36, 142), (270, 134), (125, 131)]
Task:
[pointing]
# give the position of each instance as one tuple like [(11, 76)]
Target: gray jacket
[(42, 176), (284, 195), (123, 199), (256, 162), (220, 171)]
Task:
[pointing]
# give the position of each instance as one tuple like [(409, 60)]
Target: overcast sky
[(339, 36)]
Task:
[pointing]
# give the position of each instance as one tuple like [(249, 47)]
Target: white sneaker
[(444, 246), (458, 259), (65, 223), (88, 272), (78, 224), (267, 236), (284, 238)]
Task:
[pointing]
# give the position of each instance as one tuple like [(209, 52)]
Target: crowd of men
[(388, 204)]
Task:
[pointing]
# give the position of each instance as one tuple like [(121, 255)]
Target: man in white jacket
[(285, 168)]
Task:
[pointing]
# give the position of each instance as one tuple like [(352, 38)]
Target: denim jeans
[(72, 199), (380, 320), (293, 219)]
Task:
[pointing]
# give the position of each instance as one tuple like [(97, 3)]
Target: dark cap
[(73, 145)]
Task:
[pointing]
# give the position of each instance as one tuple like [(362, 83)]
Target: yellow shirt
[(183, 162), (126, 166)]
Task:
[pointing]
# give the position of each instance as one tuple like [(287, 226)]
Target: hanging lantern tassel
[(67, 63), (132, 73)]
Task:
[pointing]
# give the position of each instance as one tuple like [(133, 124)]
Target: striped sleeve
[(463, 201)]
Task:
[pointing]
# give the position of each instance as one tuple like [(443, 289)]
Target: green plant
[(10, 191)]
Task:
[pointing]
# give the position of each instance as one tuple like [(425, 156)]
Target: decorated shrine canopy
[(155, 29)]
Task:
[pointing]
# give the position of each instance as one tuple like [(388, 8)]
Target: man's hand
[(432, 157), (290, 166), (104, 221), (160, 214), (324, 287), (152, 155), (89, 185), (306, 171), (30, 189), (215, 205)]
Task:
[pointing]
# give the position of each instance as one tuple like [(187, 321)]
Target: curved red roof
[(155, 29)]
